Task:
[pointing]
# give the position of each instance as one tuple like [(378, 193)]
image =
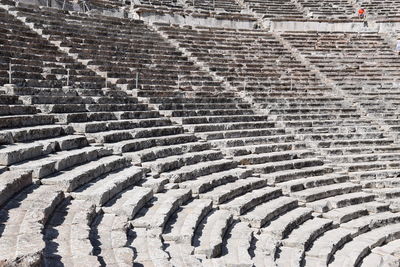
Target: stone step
[(235, 252), (227, 126), (325, 123), (29, 134), (387, 253), (326, 245), (370, 175), (12, 182), (104, 188), (151, 154), (264, 213), (265, 148), (9, 99), (53, 91), (273, 157), (67, 235), (243, 133), (194, 100), (250, 141), (200, 169), (220, 119), (183, 225), (294, 174), (115, 107), (211, 235), (265, 250), (385, 193), (156, 216), (175, 162), (232, 190), (149, 250), (299, 107), (17, 121), (306, 100), (9, 110), (207, 106), (112, 125), (312, 182), (50, 164), (272, 167), (150, 142), (340, 201), (342, 136), (110, 240), (282, 226), (293, 250), (317, 117), (312, 132), (355, 142), (69, 180), (128, 202), (205, 112), (371, 221), (19, 152), (104, 116), (61, 108), (325, 191), (122, 135), (244, 203), (366, 166), (308, 109), (210, 181), (24, 218), (181, 255), (381, 183), (345, 214), (303, 236), (354, 251), (365, 157), (54, 99), (359, 150)]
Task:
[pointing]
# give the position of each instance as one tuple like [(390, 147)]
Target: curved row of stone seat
[(381, 10), (225, 5), (274, 9), (329, 9)]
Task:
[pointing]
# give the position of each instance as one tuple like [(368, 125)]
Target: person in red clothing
[(361, 13)]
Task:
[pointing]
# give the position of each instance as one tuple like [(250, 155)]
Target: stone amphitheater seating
[(46, 67), (168, 3), (235, 148), (386, 10), (329, 9), (223, 5), (275, 8), (321, 48)]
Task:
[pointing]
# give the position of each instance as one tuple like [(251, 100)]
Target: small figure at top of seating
[(361, 13), (398, 47)]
